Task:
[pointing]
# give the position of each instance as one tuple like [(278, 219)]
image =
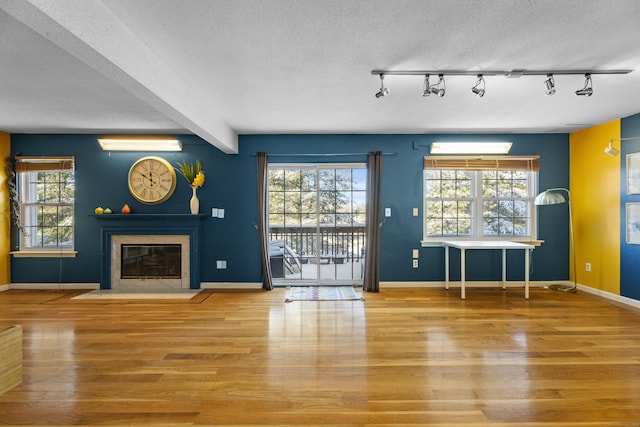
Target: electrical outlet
[(387, 212), (221, 264), (588, 266), (415, 263)]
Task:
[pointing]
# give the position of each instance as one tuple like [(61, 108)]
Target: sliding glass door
[(317, 223)]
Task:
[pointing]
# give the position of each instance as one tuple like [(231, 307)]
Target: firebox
[(160, 261)]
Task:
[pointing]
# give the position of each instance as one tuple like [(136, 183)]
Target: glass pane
[(505, 208), (292, 201), (291, 221), (433, 189), (343, 201), (506, 226), (327, 202), (448, 188), (343, 179), (359, 179), (308, 178), (327, 179), (490, 208), (434, 209), (359, 201), (308, 202), (276, 180), (432, 174), (464, 227), (276, 202), (464, 188), (520, 227), (520, 188), (489, 188), (450, 227), (464, 209), (520, 209), (292, 180)]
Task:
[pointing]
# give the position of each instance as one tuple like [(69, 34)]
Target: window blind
[(39, 164), (527, 163)]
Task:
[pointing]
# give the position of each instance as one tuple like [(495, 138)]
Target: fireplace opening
[(158, 261)]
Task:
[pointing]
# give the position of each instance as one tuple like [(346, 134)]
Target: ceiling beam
[(91, 32)]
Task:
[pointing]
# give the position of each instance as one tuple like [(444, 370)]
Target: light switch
[(220, 213), (415, 211), (214, 212), (221, 264), (416, 254), (387, 212)]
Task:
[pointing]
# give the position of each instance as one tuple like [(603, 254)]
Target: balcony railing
[(293, 247)]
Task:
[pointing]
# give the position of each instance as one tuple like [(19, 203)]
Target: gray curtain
[(263, 220), (372, 253)]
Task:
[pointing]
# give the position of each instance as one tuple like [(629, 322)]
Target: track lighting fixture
[(587, 90), (479, 91), (436, 89), (550, 84), (384, 91), (426, 87), (479, 88)]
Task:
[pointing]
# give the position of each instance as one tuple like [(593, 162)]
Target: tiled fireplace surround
[(116, 229)]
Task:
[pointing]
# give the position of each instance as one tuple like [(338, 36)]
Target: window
[(479, 198), (46, 199)]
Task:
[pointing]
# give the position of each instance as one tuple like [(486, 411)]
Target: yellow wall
[(595, 194), (4, 213)]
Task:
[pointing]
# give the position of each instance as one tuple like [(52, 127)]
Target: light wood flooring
[(402, 357)]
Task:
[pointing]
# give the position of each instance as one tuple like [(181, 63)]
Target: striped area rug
[(322, 293)]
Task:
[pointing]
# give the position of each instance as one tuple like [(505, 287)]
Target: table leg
[(504, 269), (446, 267), (462, 273), (527, 254)]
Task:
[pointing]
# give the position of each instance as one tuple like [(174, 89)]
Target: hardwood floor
[(402, 357)]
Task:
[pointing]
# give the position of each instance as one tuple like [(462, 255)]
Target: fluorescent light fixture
[(470, 147), (139, 143)]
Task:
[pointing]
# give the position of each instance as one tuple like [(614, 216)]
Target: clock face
[(152, 180)]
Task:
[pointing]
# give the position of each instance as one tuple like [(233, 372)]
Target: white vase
[(194, 203)]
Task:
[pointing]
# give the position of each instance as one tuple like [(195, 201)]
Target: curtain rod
[(319, 154)]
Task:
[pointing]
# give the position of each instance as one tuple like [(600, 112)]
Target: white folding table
[(503, 245)]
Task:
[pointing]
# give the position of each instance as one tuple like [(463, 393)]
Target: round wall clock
[(152, 180)]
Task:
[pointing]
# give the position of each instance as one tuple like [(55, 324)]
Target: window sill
[(438, 243), (44, 254)]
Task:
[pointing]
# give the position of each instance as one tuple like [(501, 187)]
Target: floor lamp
[(554, 196)]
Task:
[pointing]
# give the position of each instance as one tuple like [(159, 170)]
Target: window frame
[(26, 167), (476, 165)]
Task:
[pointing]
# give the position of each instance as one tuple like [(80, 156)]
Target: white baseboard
[(4, 288), (608, 295), (231, 285), (468, 284), (49, 286)]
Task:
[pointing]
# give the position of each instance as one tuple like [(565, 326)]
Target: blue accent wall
[(629, 254), (231, 183)]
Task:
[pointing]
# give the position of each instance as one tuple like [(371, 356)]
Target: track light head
[(476, 89), (550, 85), (610, 150), (425, 87), (436, 89), (587, 90), (384, 91)]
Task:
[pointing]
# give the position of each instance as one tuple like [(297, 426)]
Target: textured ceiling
[(222, 68)]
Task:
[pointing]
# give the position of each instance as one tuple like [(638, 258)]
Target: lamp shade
[(551, 197)]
